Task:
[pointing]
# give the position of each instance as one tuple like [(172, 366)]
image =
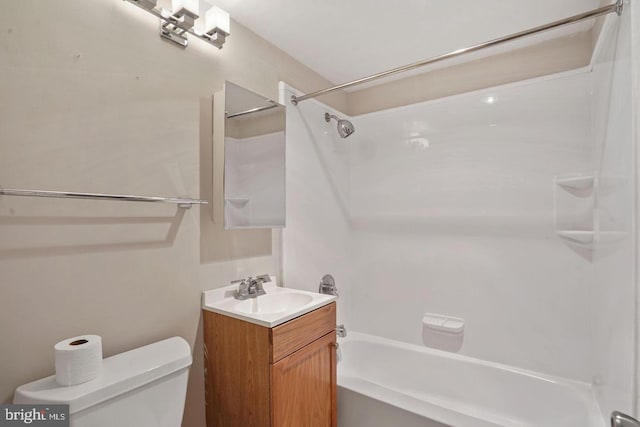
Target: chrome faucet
[(251, 287)]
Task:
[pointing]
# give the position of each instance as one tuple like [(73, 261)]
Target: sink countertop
[(222, 301)]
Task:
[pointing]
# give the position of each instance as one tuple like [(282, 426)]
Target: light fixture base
[(145, 4), (184, 19), (216, 37), (169, 31), (175, 27)]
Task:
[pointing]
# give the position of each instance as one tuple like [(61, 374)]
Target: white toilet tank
[(145, 387)]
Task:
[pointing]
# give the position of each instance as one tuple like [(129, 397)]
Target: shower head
[(345, 127)]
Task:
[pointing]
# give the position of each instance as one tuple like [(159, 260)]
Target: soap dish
[(443, 323)]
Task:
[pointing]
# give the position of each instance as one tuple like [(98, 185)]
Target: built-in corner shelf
[(576, 182), (612, 236), (574, 209), (588, 237), (576, 217), (585, 237)]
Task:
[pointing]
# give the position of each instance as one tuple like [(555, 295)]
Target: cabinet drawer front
[(297, 333)]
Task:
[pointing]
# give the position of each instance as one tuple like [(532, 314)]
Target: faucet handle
[(328, 285), (264, 278), (243, 288), (258, 281)]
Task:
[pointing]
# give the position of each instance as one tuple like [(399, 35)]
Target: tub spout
[(618, 419)]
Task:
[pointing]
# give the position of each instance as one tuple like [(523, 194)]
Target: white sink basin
[(277, 306), (273, 303)]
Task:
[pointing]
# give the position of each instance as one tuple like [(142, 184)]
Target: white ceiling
[(347, 39)]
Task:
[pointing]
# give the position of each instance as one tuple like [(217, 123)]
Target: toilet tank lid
[(120, 373)]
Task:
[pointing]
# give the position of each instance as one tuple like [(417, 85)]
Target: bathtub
[(385, 383)]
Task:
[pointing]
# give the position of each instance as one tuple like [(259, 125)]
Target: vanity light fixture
[(183, 17), (216, 22), (175, 24)]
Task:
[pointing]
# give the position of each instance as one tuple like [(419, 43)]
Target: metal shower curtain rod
[(616, 7)]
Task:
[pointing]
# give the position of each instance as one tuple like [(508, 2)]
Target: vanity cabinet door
[(303, 386)]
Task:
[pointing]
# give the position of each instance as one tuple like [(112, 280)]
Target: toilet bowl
[(144, 387)]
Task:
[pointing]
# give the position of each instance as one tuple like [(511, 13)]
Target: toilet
[(144, 387)]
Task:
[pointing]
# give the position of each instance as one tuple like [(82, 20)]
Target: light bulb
[(191, 6), (216, 19)]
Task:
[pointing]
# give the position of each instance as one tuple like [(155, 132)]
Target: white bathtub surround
[(613, 312), (451, 202), (449, 206), (318, 228), (635, 65), (458, 390)]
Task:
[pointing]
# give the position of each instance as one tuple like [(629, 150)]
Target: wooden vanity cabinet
[(283, 376)]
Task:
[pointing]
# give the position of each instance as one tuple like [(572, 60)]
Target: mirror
[(254, 160)]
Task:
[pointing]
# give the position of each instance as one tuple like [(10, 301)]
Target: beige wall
[(92, 100), (553, 56)]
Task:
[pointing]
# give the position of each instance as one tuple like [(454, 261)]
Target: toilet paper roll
[(78, 359)]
